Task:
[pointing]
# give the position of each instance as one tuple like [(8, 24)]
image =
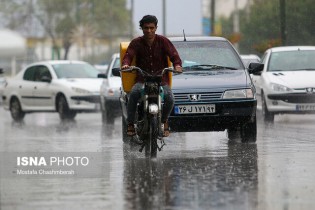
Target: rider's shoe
[(131, 131), (166, 132)]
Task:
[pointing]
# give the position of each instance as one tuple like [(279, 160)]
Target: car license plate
[(305, 107), (194, 109)]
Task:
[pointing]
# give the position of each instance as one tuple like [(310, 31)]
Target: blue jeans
[(135, 96)]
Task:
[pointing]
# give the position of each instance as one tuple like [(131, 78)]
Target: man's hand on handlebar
[(179, 69), (125, 67)]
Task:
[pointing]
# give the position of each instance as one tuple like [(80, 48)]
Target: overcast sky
[(180, 14)]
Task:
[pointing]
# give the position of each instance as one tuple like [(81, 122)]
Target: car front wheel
[(249, 131), (107, 115), (233, 134), (16, 111), (63, 109), (268, 116)]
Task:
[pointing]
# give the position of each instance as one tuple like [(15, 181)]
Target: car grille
[(199, 97)]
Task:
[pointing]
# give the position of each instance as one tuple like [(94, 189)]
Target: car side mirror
[(45, 79), (102, 75), (255, 68), (116, 72)]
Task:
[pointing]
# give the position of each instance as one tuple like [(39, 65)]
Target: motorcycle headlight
[(153, 108), (279, 88), (80, 90), (242, 93)]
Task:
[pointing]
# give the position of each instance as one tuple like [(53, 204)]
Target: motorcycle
[(148, 126)]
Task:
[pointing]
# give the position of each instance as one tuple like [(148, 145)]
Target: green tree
[(300, 18), (260, 29), (62, 20), (52, 14)]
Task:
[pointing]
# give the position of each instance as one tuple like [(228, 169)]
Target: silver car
[(110, 92), (250, 58)]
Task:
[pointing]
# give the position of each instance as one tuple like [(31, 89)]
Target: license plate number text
[(194, 109)]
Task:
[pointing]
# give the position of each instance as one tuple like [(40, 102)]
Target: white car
[(67, 87), (110, 92), (2, 85), (287, 85), (250, 58), (101, 68)]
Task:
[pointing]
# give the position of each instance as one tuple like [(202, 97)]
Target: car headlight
[(279, 88), (80, 90), (113, 91), (242, 93)]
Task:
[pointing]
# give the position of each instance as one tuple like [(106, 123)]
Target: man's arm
[(129, 55)]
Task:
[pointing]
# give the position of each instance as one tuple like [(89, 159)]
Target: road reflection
[(40, 121), (66, 126), (190, 183), (108, 130), (194, 171)]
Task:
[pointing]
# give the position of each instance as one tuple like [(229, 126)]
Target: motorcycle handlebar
[(132, 68)]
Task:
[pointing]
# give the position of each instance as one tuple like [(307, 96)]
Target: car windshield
[(75, 70), (209, 55), (292, 60)]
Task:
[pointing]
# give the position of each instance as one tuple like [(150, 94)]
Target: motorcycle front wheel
[(151, 143)]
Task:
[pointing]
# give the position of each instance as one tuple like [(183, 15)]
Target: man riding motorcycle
[(152, 52)]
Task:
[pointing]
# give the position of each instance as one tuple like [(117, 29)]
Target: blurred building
[(13, 51), (223, 8)]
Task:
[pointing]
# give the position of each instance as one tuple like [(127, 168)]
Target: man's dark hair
[(148, 19)]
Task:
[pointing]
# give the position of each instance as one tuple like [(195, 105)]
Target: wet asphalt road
[(194, 170)]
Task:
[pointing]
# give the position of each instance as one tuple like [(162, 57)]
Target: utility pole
[(247, 9), (78, 22), (110, 31), (236, 21), (283, 23), (164, 17), (131, 18), (212, 16)]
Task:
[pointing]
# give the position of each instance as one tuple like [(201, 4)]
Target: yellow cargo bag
[(128, 79)]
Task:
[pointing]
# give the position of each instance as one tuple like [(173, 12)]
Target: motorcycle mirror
[(116, 72)]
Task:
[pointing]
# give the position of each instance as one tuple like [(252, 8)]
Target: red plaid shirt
[(152, 58)]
